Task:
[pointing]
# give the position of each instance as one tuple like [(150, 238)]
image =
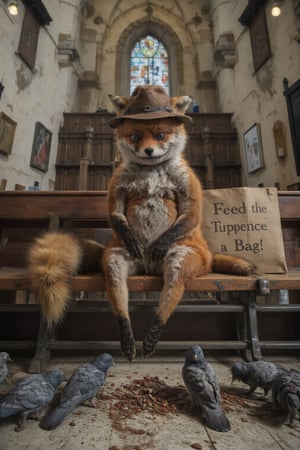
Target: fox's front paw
[(158, 251), (152, 337), (127, 339), (135, 248)]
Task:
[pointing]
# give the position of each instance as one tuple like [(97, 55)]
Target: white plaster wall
[(259, 97), (42, 94)]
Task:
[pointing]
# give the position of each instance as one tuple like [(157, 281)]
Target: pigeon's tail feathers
[(55, 417), (215, 419), (52, 259), (7, 412)]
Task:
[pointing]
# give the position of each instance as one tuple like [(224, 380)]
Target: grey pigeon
[(201, 381), (30, 396), (4, 358), (81, 387), (256, 374), (286, 393)]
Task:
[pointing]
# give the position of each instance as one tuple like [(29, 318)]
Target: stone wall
[(110, 29), (41, 94), (257, 97)]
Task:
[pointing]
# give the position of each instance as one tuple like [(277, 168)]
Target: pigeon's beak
[(233, 379), (195, 358)]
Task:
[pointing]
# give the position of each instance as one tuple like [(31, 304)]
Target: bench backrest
[(24, 215), (289, 205)]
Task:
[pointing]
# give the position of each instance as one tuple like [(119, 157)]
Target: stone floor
[(144, 405)]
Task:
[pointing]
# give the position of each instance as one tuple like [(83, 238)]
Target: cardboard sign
[(245, 222)]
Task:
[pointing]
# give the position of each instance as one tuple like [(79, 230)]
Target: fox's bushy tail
[(52, 260)]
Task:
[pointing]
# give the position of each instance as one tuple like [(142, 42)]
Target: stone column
[(224, 52), (199, 27), (206, 82)]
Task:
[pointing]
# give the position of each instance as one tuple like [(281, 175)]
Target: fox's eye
[(135, 138), (160, 136)]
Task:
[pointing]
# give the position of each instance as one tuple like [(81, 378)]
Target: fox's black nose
[(149, 151)]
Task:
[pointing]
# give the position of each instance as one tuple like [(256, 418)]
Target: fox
[(155, 203)]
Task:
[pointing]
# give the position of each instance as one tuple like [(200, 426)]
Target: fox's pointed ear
[(181, 104), (119, 103)]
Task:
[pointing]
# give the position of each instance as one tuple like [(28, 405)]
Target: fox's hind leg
[(180, 264), (116, 266)]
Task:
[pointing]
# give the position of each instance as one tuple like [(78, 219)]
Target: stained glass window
[(149, 64)]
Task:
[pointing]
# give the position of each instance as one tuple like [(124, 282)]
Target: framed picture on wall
[(7, 132), (29, 38), (253, 148), (41, 148), (259, 36)]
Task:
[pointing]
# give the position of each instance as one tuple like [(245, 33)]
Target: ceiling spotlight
[(12, 6), (276, 9)]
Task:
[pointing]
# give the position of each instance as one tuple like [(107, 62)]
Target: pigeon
[(201, 381), (286, 393), (4, 358), (256, 374), (30, 396), (81, 387)]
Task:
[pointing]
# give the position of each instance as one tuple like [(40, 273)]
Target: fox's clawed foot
[(127, 339), (152, 337), (128, 342)]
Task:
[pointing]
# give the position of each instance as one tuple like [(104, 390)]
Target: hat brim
[(150, 116)]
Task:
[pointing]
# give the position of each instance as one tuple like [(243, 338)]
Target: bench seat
[(15, 278)]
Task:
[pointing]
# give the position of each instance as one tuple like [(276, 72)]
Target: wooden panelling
[(212, 151)]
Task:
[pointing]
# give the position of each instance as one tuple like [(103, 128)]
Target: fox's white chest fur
[(151, 203)]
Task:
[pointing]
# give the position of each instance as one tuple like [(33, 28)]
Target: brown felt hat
[(150, 102)]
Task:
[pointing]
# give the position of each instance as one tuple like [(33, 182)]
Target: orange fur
[(52, 259), (231, 265)]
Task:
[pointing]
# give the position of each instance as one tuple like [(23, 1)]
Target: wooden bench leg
[(247, 325), (42, 353), (241, 324), (253, 328)]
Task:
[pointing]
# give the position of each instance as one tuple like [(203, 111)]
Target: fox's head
[(151, 142), (150, 125)]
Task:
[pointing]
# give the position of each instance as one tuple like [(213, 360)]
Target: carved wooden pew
[(24, 215)]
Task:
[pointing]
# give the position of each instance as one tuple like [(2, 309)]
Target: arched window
[(149, 63)]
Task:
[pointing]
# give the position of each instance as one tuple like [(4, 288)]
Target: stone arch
[(131, 35)]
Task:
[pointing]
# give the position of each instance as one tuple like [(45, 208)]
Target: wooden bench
[(24, 215)]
